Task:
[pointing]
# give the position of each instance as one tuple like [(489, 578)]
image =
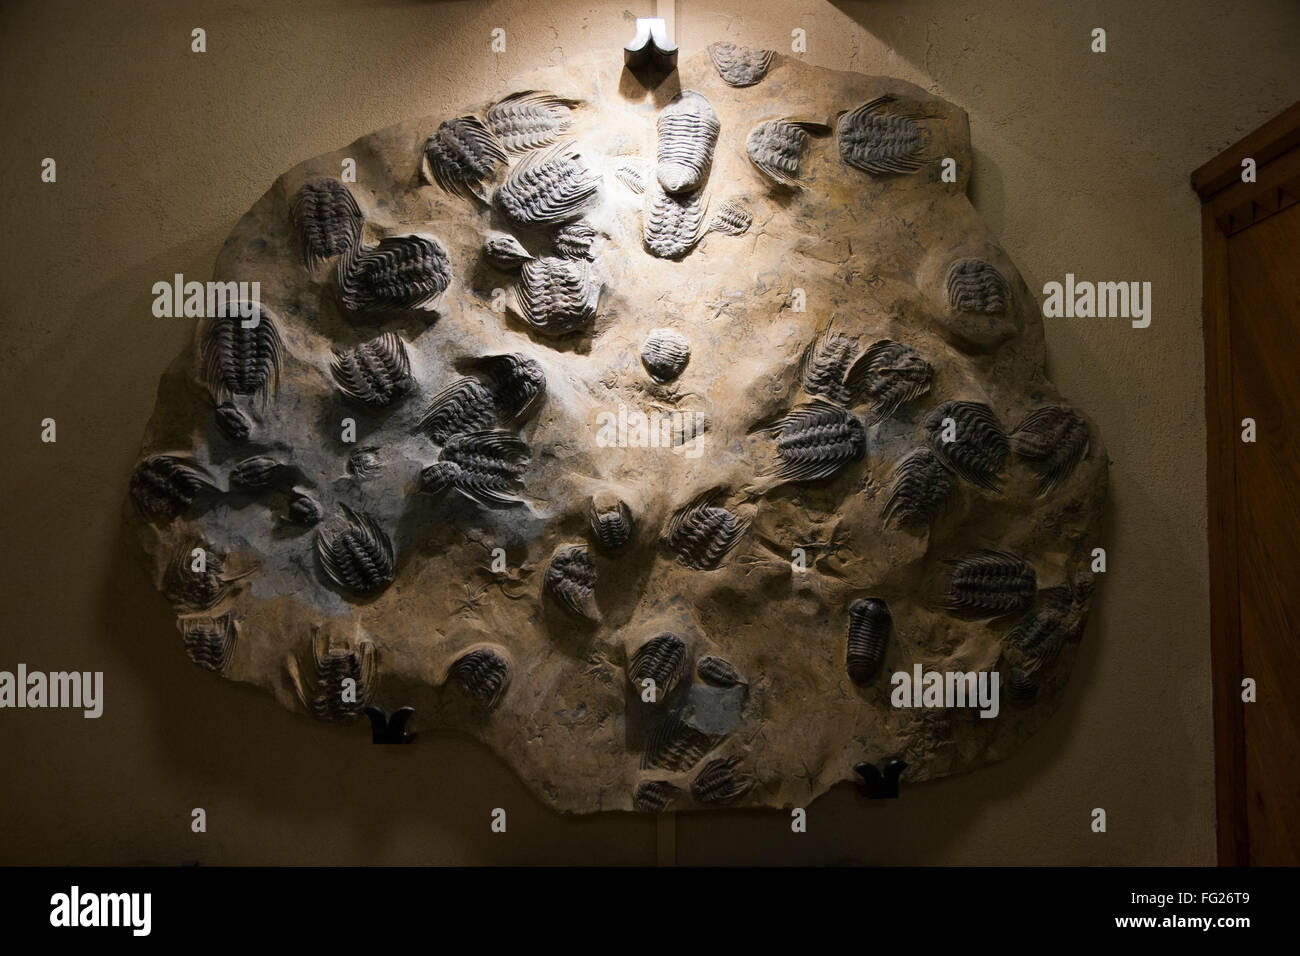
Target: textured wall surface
[(1080, 166)]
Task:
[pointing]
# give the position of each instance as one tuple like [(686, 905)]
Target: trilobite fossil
[(328, 219), (377, 372), (162, 486), (967, 438), (547, 187), (460, 154), (573, 240), (483, 673), (357, 556), (209, 641), (688, 131), (304, 509), (671, 225), (878, 138), (611, 522), (529, 119), (731, 219), (661, 659), (701, 533), (653, 796), (976, 286), (632, 175), (887, 375), (485, 466), (990, 583), (556, 296), (665, 354), (719, 782), (505, 251), (517, 382), (920, 487), (465, 405), (776, 148), (1053, 440), (365, 463), (398, 272), (825, 363), (718, 672), (740, 65), (571, 581), (255, 473), (234, 424), (239, 360), (676, 746), (818, 440), (195, 590), (1043, 631), (869, 626), (332, 699)]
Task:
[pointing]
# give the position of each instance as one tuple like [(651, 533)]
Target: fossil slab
[(573, 426)]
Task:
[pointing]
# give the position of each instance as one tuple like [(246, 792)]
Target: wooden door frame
[(1229, 205)]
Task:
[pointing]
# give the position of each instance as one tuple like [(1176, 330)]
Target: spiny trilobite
[(518, 383), (825, 363), (529, 119), (377, 372), (505, 251), (661, 659), (365, 463), (465, 405), (483, 673), (399, 272), (869, 625), (688, 131), (1042, 632), (631, 175), (967, 438), (573, 240), (676, 746), (877, 140), (192, 590), (557, 296), (665, 354), (818, 440), (239, 360), (328, 219), (571, 581), (333, 665), (718, 781), (776, 149), (357, 556), (255, 474), (460, 154), (233, 423), (990, 583), (731, 218), (611, 522), (886, 375), (740, 65), (162, 486), (702, 533), (653, 796), (920, 487), (209, 641), (717, 671), (304, 509), (1053, 439), (671, 225), (547, 187), (976, 286), (485, 466)]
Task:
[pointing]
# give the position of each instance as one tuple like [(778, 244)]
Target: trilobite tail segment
[(701, 534), (460, 155), (209, 641), (377, 372), (342, 679), (239, 359), (739, 65), (869, 626), (399, 272), (990, 583), (671, 224), (357, 556), (328, 219), (1052, 440), (882, 137), (688, 132)]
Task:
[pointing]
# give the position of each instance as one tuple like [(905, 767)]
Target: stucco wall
[(1081, 166)]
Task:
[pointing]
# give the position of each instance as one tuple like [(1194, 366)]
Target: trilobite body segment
[(234, 424), (665, 354), (777, 147), (304, 509), (343, 683), (676, 746), (920, 488), (365, 463), (466, 405), (376, 373), (460, 154), (485, 466), (990, 584), (195, 590), (740, 65), (162, 486), (818, 440), (239, 360), (878, 140), (870, 624), (505, 251), (653, 796), (671, 225), (547, 187), (328, 219), (1042, 632), (1052, 440), (731, 219), (1022, 687), (631, 175), (688, 132), (557, 296), (661, 659), (528, 120), (611, 523), (701, 534), (209, 641), (718, 672), (399, 272), (573, 240), (517, 382), (825, 363), (719, 782), (887, 375), (483, 673), (255, 474), (357, 556), (571, 581), (967, 438), (976, 286)]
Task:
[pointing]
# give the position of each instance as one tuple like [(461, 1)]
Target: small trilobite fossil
[(731, 219), (776, 148), (556, 296), (653, 796), (718, 672), (242, 361), (162, 486), (548, 187), (465, 405), (365, 463), (688, 131), (719, 782), (611, 522), (825, 364), (195, 590), (398, 272), (377, 372), (209, 641), (702, 533), (256, 473), (1053, 440), (571, 581), (484, 466), (529, 119), (886, 375), (976, 286), (869, 625), (328, 219), (920, 487), (331, 698), (573, 240), (967, 438), (1043, 631), (505, 251), (632, 175), (460, 154), (517, 382), (665, 354), (990, 584), (483, 673), (661, 659), (879, 139), (304, 509), (356, 556), (740, 65), (818, 440), (233, 423), (676, 746), (671, 225)]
